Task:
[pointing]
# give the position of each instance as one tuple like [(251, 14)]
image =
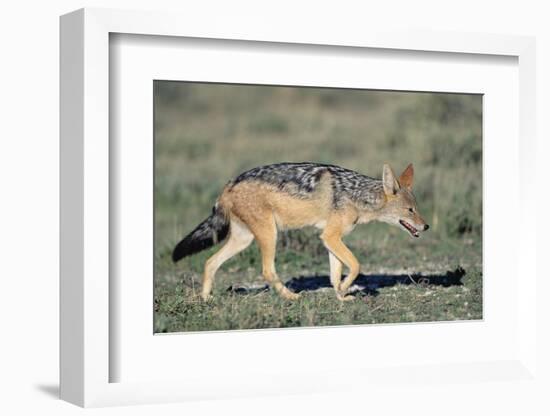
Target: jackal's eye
[(411, 210)]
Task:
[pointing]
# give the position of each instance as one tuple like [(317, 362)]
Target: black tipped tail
[(209, 232)]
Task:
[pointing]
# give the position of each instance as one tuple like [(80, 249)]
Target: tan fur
[(250, 199), (406, 178), (256, 210)]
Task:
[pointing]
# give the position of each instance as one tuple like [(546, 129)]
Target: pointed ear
[(391, 186), (406, 178)]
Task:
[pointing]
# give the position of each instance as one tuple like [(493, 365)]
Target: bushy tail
[(209, 232)]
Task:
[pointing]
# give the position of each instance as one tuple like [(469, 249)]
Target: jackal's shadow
[(365, 284)]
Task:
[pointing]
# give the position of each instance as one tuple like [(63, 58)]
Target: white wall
[(29, 202)]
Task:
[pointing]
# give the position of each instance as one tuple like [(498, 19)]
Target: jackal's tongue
[(409, 228)]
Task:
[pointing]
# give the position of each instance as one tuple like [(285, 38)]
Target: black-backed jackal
[(259, 202)]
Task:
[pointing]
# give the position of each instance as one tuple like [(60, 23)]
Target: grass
[(207, 133)]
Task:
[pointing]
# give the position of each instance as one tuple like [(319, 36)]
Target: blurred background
[(205, 134)]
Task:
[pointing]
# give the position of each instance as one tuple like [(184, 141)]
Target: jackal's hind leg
[(266, 236), (239, 238)]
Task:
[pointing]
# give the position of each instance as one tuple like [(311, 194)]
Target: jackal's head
[(400, 208)]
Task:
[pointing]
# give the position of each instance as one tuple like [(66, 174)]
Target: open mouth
[(409, 228)]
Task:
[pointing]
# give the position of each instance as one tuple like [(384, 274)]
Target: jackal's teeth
[(413, 231)]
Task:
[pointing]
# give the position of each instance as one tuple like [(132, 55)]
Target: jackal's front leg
[(335, 271), (338, 254)]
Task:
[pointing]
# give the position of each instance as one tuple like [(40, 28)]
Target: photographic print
[(289, 206)]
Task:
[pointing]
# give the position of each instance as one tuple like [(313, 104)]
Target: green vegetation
[(207, 133)]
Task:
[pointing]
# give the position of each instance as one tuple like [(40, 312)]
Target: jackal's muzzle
[(411, 229)]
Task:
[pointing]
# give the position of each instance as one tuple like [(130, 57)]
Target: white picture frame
[(86, 356)]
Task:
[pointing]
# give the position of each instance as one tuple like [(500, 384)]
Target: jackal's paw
[(344, 298), (287, 294), (206, 297)]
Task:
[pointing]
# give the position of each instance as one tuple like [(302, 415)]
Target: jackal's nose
[(426, 226)]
